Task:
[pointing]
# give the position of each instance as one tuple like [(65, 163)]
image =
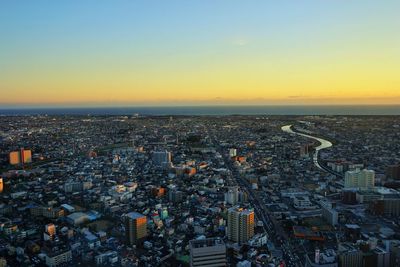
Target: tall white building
[(232, 152), (232, 196), (364, 179), (240, 224), (208, 252)]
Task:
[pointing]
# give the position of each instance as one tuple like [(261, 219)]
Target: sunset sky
[(110, 53)]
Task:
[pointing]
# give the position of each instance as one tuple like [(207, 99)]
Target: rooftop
[(134, 215), (208, 242)]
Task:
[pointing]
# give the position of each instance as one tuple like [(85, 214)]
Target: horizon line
[(13, 107)]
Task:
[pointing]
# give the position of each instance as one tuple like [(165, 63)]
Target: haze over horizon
[(103, 53)]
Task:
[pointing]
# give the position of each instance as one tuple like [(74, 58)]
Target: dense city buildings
[(200, 191)]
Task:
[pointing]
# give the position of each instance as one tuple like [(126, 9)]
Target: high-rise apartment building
[(20, 157), (360, 179), (208, 252), (240, 224), (135, 227)]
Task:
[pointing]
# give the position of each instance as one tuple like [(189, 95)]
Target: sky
[(200, 52)]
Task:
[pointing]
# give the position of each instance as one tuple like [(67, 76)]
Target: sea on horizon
[(209, 110)]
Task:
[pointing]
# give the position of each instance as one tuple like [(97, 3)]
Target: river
[(323, 143)]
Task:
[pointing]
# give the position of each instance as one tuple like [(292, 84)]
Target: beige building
[(240, 224), (364, 179)]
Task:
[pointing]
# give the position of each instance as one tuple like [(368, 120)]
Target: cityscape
[(199, 133), (200, 190)]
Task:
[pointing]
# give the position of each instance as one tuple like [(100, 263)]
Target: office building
[(210, 252), (386, 207), (350, 255), (71, 187), (135, 227), (329, 213), (381, 257), (359, 179), (240, 224), (175, 196), (161, 158)]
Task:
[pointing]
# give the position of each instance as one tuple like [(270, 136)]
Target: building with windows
[(350, 255), (232, 195), (329, 213), (135, 227), (161, 158), (208, 252), (240, 224), (364, 179), (57, 257), (20, 157)]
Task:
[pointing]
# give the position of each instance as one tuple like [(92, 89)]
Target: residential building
[(240, 224), (359, 179), (135, 227)]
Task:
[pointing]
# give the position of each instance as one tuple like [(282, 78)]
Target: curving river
[(323, 143)]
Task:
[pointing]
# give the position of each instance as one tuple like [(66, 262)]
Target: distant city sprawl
[(199, 190)]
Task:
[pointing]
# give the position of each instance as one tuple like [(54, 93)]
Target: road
[(275, 231)]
